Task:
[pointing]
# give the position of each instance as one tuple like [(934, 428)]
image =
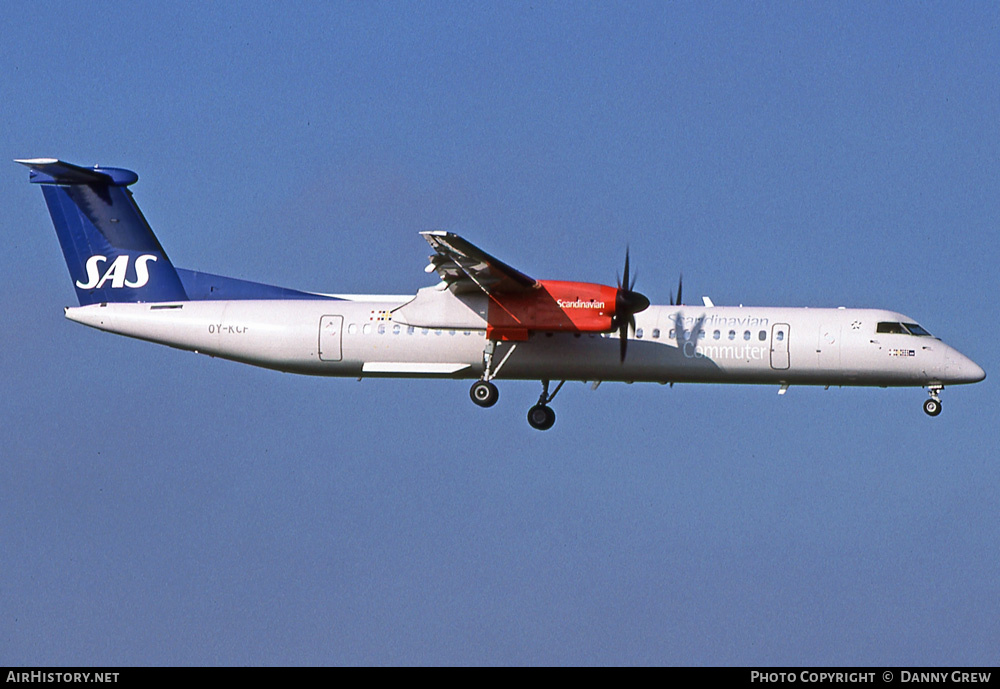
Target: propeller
[(680, 289), (628, 302)]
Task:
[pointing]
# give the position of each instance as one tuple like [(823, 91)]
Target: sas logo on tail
[(116, 272)]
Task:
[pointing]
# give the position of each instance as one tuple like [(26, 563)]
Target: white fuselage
[(697, 344)]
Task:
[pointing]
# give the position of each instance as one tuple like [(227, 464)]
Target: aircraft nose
[(962, 369), (975, 372)]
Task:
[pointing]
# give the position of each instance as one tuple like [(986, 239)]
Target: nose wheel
[(932, 406)]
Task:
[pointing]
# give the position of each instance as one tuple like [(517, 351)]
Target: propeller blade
[(628, 302)]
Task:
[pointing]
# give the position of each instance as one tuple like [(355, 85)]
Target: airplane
[(483, 320)]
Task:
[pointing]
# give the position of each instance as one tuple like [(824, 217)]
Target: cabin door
[(330, 328), (779, 346)]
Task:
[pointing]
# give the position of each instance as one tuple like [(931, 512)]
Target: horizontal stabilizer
[(52, 171)]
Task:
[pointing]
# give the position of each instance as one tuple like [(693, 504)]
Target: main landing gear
[(932, 406), (485, 394), (541, 416)]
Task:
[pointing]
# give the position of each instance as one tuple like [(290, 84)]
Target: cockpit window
[(917, 330), (901, 329), (891, 328)]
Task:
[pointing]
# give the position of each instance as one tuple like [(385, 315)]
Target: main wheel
[(932, 407), (541, 417), (484, 393)]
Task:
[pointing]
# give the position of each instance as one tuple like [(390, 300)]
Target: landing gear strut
[(541, 415), (932, 406), (483, 392)]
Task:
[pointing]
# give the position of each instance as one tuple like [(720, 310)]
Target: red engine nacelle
[(555, 307)]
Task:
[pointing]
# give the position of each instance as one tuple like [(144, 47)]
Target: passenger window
[(716, 335), (702, 334), (780, 336), (656, 333), (638, 333), (409, 330), (732, 334), (746, 335), (395, 329), (352, 328), (673, 333), (762, 335), (381, 329), (367, 329)]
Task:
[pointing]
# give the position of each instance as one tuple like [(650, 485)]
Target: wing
[(463, 265)]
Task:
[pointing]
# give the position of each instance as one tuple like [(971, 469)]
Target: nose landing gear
[(932, 406)]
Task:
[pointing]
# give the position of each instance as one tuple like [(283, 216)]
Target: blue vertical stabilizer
[(111, 252)]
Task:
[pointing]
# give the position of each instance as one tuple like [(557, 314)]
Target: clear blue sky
[(158, 507)]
